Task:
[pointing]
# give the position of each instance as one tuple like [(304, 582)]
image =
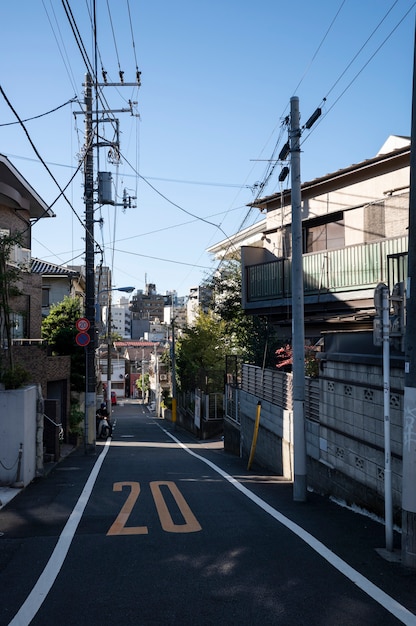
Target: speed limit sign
[(82, 324)]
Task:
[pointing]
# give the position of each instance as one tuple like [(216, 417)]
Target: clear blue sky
[(217, 78)]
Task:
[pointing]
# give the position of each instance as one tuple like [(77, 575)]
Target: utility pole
[(109, 359), (90, 386), (409, 418), (174, 398), (298, 330), (90, 303)]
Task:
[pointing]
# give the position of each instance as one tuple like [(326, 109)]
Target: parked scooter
[(103, 423)]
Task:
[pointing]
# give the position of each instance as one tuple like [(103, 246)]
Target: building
[(354, 233), (199, 299), (120, 318), (58, 282), (21, 315), (146, 307), (354, 227)]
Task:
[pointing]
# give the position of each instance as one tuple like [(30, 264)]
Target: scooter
[(103, 426)]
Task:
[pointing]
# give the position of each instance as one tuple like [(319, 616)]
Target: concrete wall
[(344, 433), (18, 425)]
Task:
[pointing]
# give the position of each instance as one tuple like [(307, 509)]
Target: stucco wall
[(18, 427)]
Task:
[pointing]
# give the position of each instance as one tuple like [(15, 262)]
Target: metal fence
[(273, 386)]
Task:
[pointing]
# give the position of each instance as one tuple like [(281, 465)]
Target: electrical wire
[(371, 58), (320, 46), (9, 104), (114, 37), (36, 117), (64, 53), (363, 66)]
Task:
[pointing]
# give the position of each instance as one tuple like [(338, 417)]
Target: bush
[(76, 418), (15, 377)]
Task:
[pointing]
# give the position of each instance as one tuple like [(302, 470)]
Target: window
[(45, 297), (324, 233)]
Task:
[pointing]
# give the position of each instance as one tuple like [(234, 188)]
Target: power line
[(320, 46), (36, 117), (365, 64), (155, 258), (9, 104)]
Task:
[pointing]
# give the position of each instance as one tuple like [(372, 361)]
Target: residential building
[(120, 318), (354, 226), (102, 285), (146, 307), (58, 281), (20, 206), (199, 299)]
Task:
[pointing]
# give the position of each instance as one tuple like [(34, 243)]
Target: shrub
[(15, 377)]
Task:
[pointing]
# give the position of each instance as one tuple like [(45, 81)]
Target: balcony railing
[(352, 268)]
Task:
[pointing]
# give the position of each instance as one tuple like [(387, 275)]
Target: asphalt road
[(158, 528)]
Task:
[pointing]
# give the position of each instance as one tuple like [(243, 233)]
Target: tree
[(143, 384), (201, 352), (9, 278), (60, 331), (250, 336)]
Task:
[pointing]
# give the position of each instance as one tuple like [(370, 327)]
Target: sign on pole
[(82, 339), (82, 324)]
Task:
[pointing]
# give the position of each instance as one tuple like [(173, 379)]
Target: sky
[(217, 77)]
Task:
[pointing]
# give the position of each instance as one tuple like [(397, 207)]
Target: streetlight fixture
[(125, 290)]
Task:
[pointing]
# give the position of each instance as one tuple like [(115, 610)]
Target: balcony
[(331, 277)]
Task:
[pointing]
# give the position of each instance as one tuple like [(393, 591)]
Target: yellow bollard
[(255, 433), (174, 411)]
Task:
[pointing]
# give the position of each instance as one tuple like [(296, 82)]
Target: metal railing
[(352, 268)]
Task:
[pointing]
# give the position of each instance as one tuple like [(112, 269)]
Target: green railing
[(352, 268)]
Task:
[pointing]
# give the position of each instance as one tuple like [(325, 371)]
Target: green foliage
[(60, 331), (139, 383), (76, 419), (201, 351), (15, 377), (166, 399), (9, 278), (249, 336)]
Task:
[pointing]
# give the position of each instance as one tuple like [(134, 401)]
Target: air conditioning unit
[(163, 377), (21, 257)]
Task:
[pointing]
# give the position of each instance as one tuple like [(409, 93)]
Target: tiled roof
[(42, 267), (134, 343)]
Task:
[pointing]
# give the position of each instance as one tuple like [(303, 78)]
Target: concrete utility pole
[(409, 418), (298, 330), (90, 386), (174, 396), (90, 303)]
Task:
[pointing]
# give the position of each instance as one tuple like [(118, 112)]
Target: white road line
[(39, 592), (389, 603)]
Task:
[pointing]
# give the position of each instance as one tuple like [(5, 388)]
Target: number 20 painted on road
[(119, 527)]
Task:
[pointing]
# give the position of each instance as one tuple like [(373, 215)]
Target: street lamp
[(125, 290)]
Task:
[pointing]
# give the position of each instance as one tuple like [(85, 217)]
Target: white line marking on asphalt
[(39, 592), (389, 603)]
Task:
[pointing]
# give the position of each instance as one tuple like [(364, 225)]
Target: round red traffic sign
[(82, 339), (82, 324)]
